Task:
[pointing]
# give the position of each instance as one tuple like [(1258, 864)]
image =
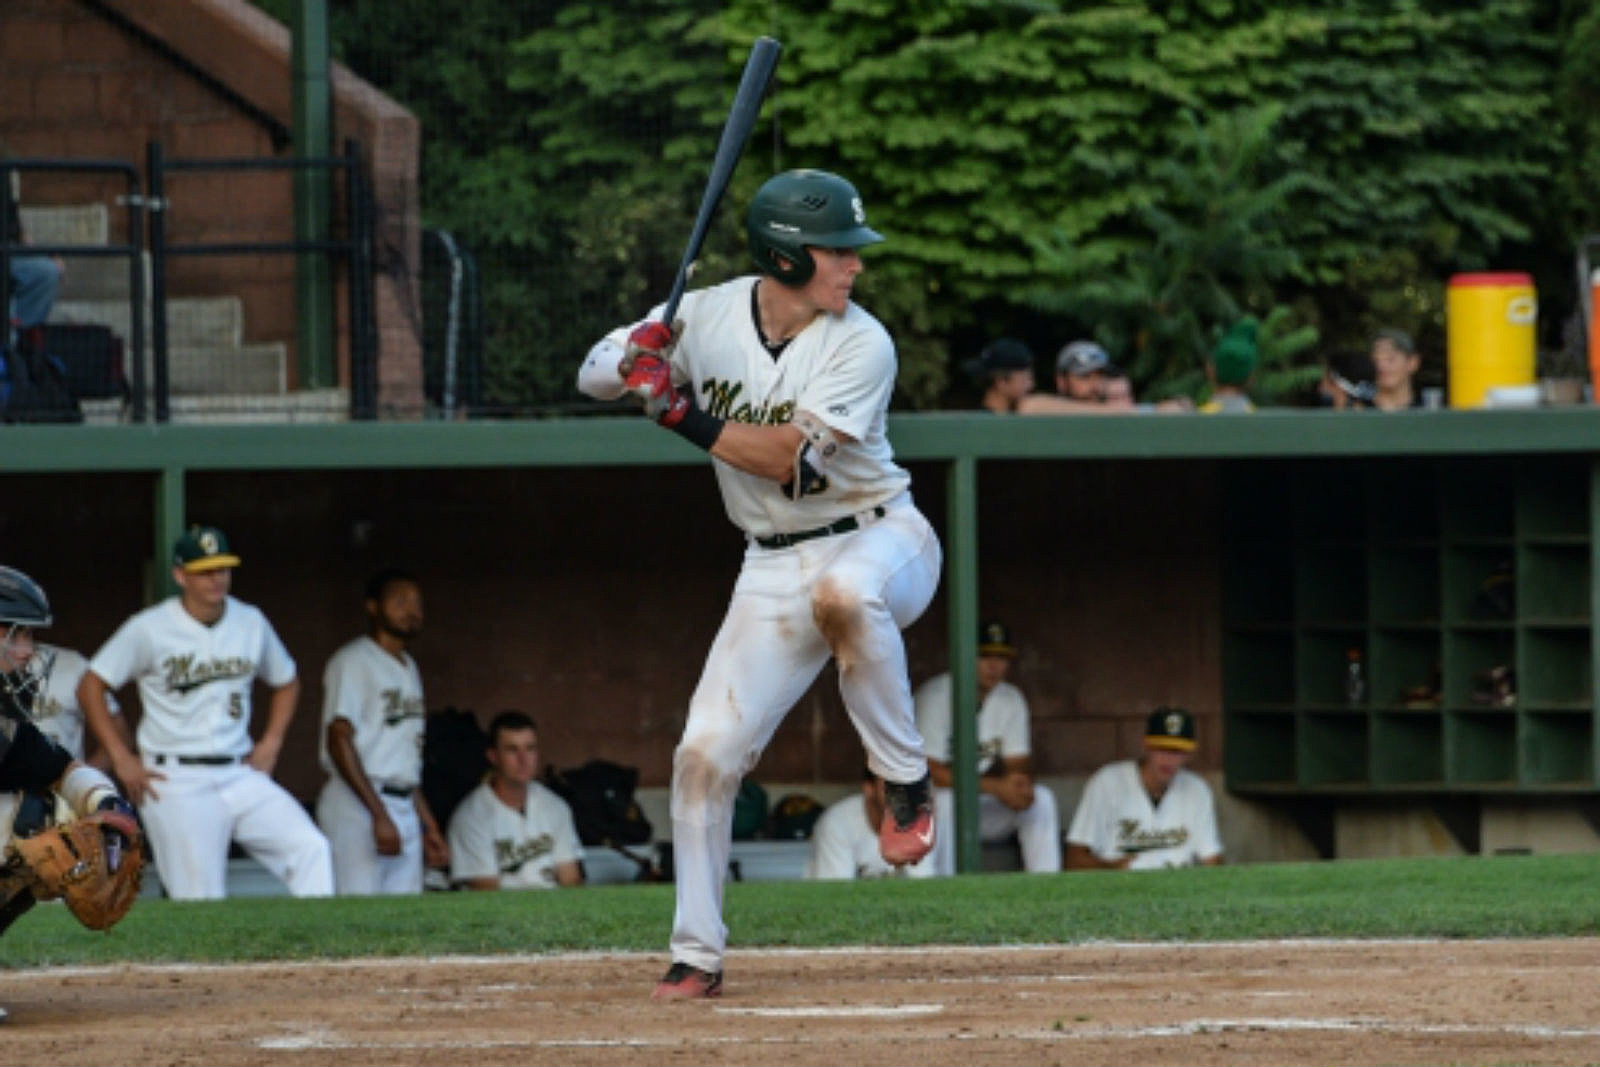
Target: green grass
[(1527, 896)]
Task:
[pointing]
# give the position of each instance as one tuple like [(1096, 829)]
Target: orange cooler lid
[(1494, 278)]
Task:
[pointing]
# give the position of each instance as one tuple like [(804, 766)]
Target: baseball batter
[(378, 822), (198, 780), (511, 832), (786, 383), (844, 841), (1010, 800), (30, 760), (1150, 812)]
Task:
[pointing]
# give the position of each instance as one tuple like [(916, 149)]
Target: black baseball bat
[(758, 70)]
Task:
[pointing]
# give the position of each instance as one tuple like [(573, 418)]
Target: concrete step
[(312, 405), (79, 224), (211, 370), (95, 278), (192, 321)]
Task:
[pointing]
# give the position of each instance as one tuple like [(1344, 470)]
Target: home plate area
[(1295, 1002)]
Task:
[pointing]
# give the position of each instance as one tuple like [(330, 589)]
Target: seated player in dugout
[(1150, 812)]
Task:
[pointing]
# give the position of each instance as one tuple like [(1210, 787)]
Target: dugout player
[(844, 841), (195, 656), (1010, 800), (378, 823), (786, 383), (512, 832), (1150, 812), (30, 762)]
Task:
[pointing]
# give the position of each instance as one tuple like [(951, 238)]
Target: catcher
[(94, 861)]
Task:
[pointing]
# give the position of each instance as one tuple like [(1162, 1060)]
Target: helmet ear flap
[(786, 267)]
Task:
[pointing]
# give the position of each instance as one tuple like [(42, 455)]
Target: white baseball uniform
[(55, 709), (194, 691), (847, 595), (380, 696), (1115, 817), (1003, 731), (523, 848), (844, 845)]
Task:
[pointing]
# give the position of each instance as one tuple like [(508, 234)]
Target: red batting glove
[(651, 381)]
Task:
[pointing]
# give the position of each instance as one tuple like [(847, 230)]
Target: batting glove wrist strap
[(684, 418)]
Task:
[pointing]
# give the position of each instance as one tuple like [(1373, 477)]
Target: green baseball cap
[(203, 548)]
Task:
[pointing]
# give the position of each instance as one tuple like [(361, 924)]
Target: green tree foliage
[(1037, 165)]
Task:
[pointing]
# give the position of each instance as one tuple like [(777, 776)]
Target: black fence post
[(156, 165)]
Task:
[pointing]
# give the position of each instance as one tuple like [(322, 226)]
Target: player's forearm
[(280, 713), (1083, 858), (347, 764), (97, 716), (765, 451)]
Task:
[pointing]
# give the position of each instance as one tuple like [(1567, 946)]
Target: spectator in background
[(844, 841), (1150, 812), (1009, 799), (1395, 363), (1231, 367), (35, 281), (372, 808), (1080, 384), (1347, 382), (511, 832), (1005, 368)]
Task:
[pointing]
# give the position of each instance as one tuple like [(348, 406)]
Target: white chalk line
[(857, 1011), (324, 1040), (518, 959)]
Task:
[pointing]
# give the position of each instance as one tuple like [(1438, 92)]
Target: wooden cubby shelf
[(1466, 588)]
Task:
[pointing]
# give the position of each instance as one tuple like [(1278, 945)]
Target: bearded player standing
[(786, 383)]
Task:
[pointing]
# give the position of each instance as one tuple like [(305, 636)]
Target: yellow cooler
[(1489, 334)]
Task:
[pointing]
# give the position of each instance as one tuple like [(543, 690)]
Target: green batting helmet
[(799, 208)]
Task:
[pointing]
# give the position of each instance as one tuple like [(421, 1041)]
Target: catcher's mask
[(24, 667), (801, 208)]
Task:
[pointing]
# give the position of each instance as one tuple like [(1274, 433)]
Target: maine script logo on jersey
[(509, 856), (721, 398), (1130, 838), (397, 707), (187, 673)]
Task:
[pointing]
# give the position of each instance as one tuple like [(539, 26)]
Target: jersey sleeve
[(567, 848), (31, 760), (277, 666), (831, 856), (1014, 740), (471, 843), (122, 656), (932, 702), (855, 385), (341, 690), (1207, 841), (1089, 820)]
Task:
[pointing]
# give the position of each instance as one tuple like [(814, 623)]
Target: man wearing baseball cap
[(1005, 369), (198, 779), (1080, 385), (1010, 801), (1150, 812)]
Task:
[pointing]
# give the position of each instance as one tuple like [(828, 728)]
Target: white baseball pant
[(847, 596), (358, 870), (202, 809), (1038, 829)]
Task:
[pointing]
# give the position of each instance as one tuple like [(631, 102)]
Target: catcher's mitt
[(93, 863)]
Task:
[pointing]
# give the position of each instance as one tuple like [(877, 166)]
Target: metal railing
[(355, 247), (135, 203)]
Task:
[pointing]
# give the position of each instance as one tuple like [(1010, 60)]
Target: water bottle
[(1355, 679)]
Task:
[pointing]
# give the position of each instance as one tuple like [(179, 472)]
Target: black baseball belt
[(399, 791), (839, 526), (196, 761)]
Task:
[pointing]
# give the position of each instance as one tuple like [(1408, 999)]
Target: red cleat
[(684, 982), (907, 831)]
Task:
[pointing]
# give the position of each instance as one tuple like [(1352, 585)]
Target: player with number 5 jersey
[(198, 780), (786, 383)]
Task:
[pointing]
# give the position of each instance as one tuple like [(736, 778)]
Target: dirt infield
[(1313, 1002)]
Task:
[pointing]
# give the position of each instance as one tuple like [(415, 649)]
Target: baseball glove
[(93, 863)]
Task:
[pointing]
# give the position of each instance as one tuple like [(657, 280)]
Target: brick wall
[(77, 83)]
